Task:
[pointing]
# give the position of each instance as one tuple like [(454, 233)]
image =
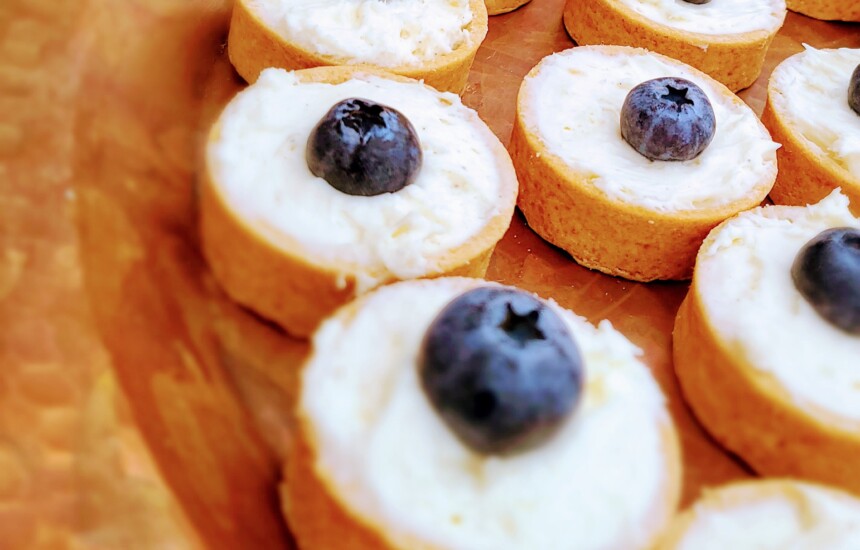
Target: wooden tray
[(138, 407)]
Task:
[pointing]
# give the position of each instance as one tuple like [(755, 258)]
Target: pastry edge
[(751, 414), (827, 10), (284, 283), (738, 494), (805, 176), (253, 46), (599, 232), (736, 60), (323, 520)]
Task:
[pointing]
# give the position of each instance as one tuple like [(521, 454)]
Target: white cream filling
[(259, 157), (807, 518), (393, 461), (812, 89), (574, 105), (715, 17), (745, 280), (387, 33)]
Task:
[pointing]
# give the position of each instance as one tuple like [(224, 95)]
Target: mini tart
[(828, 10), (258, 41), (768, 515), (376, 468), (589, 192), (807, 111), (768, 377), (498, 7), (292, 248), (727, 39)]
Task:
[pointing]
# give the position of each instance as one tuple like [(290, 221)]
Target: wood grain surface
[(139, 408)]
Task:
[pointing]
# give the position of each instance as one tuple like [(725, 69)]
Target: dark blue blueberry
[(501, 368), (668, 119), (826, 271), (854, 90), (697, 1), (364, 148)]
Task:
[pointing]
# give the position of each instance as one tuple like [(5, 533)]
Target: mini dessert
[(768, 515), (456, 413), (422, 39), (813, 109), (767, 342), (628, 158), (727, 39), (498, 7), (829, 10), (325, 183)]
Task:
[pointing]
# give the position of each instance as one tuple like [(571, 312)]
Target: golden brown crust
[(319, 519), (281, 286), (735, 60), (253, 46), (498, 7), (829, 10), (805, 175), (751, 414), (284, 282), (743, 494), (601, 233)]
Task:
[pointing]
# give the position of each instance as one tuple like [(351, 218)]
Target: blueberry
[(826, 272), (697, 1), (854, 90), (364, 148), (501, 368), (668, 119)]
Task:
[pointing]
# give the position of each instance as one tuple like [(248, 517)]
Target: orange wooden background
[(138, 407)]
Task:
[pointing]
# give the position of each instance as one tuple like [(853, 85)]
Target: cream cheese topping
[(259, 158), (574, 106), (744, 276), (392, 460), (805, 517), (387, 33), (812, 89), (716, 17)]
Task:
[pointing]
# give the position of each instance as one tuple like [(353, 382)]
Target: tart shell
[(319, 518), (828, 10), (253, 46), (498, 7), (282, 281), (736, 495), (751, 414), (618, 238), (736, 60), (805, 175)]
